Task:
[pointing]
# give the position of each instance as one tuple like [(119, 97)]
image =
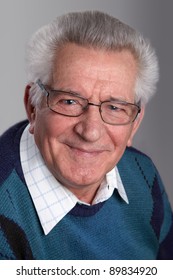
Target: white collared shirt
[(51, 199)]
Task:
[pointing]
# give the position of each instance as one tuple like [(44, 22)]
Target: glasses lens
[(66, 103), (118, 112)]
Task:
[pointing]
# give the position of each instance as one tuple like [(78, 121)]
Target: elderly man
[(72, 187)]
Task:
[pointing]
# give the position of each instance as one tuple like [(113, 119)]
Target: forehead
[(79, 68)]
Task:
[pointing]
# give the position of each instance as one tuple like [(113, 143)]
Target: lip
[(85, 152)]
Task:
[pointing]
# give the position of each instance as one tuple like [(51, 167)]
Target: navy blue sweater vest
[(142, 229)]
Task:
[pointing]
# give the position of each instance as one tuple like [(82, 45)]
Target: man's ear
[(136, 125), (30, 109)]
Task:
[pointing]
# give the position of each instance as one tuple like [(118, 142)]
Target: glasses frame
[(46, 93)]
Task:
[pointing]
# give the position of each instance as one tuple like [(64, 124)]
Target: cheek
[(120, 136), (48, 130), (49, 125)]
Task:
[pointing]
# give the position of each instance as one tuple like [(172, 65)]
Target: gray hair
[(97, 30)]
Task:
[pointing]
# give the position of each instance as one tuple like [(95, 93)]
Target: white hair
[(97, 30)]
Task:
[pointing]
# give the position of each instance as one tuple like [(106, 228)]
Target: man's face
[(79, 151)]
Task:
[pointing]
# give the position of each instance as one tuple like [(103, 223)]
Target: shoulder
[(133, 152), (137, 159), (13, 130), (138, 170), (9, 149)]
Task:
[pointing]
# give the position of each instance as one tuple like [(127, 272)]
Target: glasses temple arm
[(39, 83)]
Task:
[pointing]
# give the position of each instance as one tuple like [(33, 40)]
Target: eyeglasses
[(70, 104)]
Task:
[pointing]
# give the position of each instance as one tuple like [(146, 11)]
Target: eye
[(68, 101), (114, 108)]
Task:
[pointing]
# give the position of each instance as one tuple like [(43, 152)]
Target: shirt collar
[(52, 200)]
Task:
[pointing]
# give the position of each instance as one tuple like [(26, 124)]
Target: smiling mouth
[(85, 152)]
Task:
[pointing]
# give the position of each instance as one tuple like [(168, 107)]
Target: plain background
[(20, 18)]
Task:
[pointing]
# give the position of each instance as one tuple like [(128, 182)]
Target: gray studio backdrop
[(20, 18)]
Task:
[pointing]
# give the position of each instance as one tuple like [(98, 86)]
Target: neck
[(86, 194)]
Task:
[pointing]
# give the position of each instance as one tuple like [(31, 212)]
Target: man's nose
[(90, 126)]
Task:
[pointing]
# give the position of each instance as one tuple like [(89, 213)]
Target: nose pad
[(90, 125)]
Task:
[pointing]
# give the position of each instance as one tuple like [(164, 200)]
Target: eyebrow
[(77, 94), (117, 99), (70, 92)]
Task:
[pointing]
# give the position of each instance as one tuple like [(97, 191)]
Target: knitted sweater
[(142, 229)]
